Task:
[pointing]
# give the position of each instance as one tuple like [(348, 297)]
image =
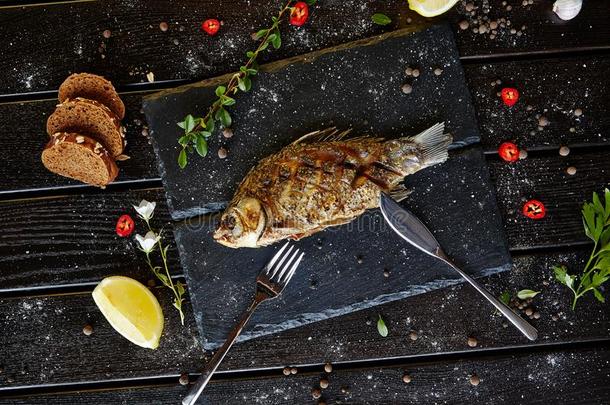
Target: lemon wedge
[(431, 8), (131, 309)]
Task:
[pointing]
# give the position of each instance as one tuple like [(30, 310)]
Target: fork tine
[(275, 257), (287, 265), (282, 260), (293, 269)]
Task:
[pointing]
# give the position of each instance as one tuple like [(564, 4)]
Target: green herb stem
[(232, 86)]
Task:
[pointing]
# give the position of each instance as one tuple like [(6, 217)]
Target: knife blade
[(408, 226), (411, 229)]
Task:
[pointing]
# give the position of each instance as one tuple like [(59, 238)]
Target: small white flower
[(148, 242), (146, 209)]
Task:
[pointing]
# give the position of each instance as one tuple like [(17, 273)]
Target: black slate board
[(343, 267), (357, 86)]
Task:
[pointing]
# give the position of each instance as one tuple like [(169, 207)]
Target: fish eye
[(230, 222)]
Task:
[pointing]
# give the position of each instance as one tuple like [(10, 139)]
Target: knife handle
[(524, 327)]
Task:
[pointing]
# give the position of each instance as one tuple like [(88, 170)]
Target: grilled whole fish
[(322, 180)]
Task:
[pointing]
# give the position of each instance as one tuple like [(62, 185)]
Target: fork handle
[(220, 354)]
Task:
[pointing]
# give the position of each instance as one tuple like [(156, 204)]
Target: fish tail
[(433, 144)]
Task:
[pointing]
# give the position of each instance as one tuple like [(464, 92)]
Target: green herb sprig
[(197, 130), (148, 244), (596, 221)]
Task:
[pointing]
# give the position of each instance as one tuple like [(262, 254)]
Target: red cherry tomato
[(509, 152), (125, 226), (534, 209), (211, 26), (299, 14), (509, 96)]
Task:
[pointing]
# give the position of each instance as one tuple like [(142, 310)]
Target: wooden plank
[(549, 88), (71, 240), (546, 179), (22, 124), (564, 376), (443, 320), (138, 46), (23, 131), (85, 223)]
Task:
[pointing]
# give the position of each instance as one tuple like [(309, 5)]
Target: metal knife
[(411, 229)]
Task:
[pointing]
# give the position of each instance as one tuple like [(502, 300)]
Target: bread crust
[(94, 87), (87, 143), (90, 117)]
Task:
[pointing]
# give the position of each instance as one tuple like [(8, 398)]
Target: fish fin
[(400, 192), (325, 135), (433, 143)]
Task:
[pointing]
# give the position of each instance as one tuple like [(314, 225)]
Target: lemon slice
[(131, 309), (431, 8)]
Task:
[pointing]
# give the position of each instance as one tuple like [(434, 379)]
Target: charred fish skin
[(323, 180)]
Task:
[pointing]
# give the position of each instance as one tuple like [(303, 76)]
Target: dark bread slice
[(93, 87), (91, 118), (79, 157)]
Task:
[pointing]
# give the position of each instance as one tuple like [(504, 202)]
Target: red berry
[(211, 26), (299, 14), (509, 152), (510, 96), (125, 226), (534, 209)]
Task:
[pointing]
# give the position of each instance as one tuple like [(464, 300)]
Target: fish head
[(242, 224)]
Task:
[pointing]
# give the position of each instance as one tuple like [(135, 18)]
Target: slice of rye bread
[(93, 87), (91, 118), (79, 157)]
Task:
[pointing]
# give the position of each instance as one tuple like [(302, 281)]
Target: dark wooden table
[(57, 237)]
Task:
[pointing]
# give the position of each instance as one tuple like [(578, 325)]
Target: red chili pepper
[(299, 14), (534, 209), (510, 96), (211, 26), (125, 226), (509, 152)]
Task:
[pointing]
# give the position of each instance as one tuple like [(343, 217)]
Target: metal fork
[(270, 282)]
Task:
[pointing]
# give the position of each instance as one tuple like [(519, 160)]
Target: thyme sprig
[(197, 130)]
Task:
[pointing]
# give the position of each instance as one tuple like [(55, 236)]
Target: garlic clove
[(567, 9)]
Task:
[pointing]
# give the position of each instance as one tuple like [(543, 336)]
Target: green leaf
[(310, 2), (277, 40), (226, 100), (252, 71), (598, 295), (180, 288), (182, 159), (201, 146), (250, 54), (505, 297), (163, 278), (243, 69), (381, 328), (264, 45), (220, 90), (181, 124), (184, 139), (598, 278), (381, 19), (244, 83), (560, 273), (225, 118), (189, 123), (525, 294), (259, 35), (209, 124)]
